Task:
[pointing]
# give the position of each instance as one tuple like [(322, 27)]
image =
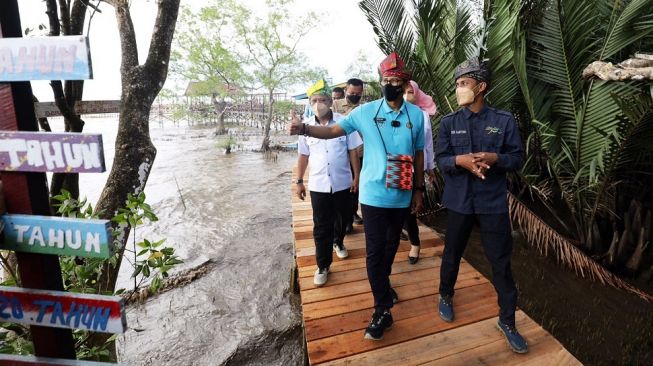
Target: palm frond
[(501, 44), (391, 24), (630, 24), (549, 62), (600, 118), (546, 239)]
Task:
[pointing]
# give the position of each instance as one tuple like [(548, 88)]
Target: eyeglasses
[(393, 82)]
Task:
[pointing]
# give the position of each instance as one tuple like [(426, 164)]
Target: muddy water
[(237, 214)]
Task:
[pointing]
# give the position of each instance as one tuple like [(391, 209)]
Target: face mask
[(465, 96), (353, 99), (320, 109), (409, 97), (391, 92)]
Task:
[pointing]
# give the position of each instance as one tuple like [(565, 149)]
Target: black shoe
[(349, 229), (381, 321), (357, 219), (413, 260), (395, 297)]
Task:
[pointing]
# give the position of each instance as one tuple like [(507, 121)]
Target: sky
[(339, 34)]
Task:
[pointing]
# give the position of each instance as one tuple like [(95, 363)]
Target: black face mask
[(392, 92), (353, 99)]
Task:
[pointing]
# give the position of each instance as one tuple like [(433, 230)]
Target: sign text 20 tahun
[(62, 309)]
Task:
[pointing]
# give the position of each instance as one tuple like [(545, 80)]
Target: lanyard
[(409, 125)]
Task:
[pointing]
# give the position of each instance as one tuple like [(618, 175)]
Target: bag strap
[(410, 127), (378, 129)]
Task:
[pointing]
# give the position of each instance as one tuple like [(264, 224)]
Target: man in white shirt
[(330, 180)]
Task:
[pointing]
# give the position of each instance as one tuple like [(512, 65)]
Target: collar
[(469, 114), (316, 122), (387, 109)]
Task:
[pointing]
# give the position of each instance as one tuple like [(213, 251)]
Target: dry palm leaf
[(546, 239)]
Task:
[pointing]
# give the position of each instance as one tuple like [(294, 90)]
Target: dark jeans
[(496, 239), (330, 210), (411, 227), (382, 229)]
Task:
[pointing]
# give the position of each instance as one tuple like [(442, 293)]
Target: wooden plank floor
[(336, 314)]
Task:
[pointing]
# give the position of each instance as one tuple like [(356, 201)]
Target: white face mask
[(320, 109), (410, 97), (465, 96)]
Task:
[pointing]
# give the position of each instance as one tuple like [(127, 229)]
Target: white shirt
[(329, 169), (429, 162)]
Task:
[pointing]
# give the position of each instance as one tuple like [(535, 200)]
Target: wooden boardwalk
[(336, 314)]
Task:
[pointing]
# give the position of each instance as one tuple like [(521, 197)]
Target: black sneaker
[(395, 297), (357, 219), (381, 321)]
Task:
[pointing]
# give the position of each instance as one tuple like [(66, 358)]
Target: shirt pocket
[(312, 141), (460, 145), (491, 143)]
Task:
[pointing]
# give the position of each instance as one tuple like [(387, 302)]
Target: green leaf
[(138, 270)]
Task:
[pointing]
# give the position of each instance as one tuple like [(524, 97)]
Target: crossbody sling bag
[(399, 167)]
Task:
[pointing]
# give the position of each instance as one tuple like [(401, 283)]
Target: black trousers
[(496, 239), (330, 211), (411, 227), (354, 198), (382, 229)]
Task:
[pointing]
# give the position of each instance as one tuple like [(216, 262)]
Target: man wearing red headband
[(391, 181)]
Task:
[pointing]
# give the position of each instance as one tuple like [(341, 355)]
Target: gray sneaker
[(320, 277), (341, 251)]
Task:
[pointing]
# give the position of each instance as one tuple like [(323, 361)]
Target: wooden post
[(27, 193)]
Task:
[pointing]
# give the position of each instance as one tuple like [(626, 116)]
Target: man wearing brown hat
[(476, 146), (393, 132)]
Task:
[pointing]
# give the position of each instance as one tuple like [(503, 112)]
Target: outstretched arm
[(296, 127)]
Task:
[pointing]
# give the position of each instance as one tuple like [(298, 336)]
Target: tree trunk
[(220, 108), (265, 146), (141, 84), (135, 152), (71, 22)]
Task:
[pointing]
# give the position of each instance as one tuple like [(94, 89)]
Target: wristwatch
[(299, 181), (420, 188)]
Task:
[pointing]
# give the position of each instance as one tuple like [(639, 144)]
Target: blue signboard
[(57, 235), (45, 58)]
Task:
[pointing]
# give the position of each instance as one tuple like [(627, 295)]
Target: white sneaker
[(342, 253), (320, 277)]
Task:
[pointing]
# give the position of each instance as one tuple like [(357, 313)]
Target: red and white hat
[(393, 65)]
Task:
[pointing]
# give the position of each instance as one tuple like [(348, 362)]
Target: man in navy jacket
[(476, 146)]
